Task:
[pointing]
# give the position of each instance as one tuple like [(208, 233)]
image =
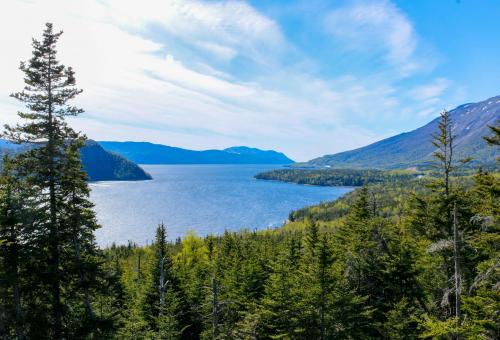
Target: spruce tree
[(494, 139), (443, 216), (161, 304), (280, 312), (317, 279), (80, 255), (360, 211), (444, 143), (52, 168)]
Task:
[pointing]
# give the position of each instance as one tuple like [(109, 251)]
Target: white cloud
[(162, 71), (430, 91), (428, 97), (376, 26), (223, 28)]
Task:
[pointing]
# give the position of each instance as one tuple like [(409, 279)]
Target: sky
[(305, 77)]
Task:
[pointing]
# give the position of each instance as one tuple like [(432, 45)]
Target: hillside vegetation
[(336, 177), (102, 165), (99, 164)]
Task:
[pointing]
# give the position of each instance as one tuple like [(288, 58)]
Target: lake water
[(202, 198)]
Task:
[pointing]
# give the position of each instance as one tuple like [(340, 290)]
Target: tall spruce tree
[(161, 304), (52, 168), (442, 215), (280, 313), (443, 141)]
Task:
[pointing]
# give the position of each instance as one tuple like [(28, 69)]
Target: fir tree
[(494, 139), (161, 303), (280, 311), (444, 143), (82, 259), (52, 168)]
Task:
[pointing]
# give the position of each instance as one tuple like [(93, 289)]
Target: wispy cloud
[(431, 91), (376, 27), (225, 29), (211, 74)]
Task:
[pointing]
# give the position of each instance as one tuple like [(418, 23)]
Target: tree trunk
[(54, 227), (16, 291), (86, 295), (17, 302), (456, 260), (215, 309), (13, 266), (322, 303), (139, 266), (162, 282)]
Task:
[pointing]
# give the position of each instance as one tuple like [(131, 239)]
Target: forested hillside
[(99, 164), (102, 165), (336, 177)]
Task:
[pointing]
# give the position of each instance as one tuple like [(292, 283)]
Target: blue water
[(202, 198)]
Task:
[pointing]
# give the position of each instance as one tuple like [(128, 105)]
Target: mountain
[(149, 153), (470, 125), (253, 155), (100, 165)]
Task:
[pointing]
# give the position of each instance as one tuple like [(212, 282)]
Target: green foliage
[(376, 266), (102, 165), (400, 258), (99, 164), (337, 177), (51, 261), (494, 139)]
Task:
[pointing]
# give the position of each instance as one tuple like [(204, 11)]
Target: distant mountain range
[(149, 153), (100, 165), (414, 149)]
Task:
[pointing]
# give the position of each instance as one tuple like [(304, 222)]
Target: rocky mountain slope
[(470, 125)]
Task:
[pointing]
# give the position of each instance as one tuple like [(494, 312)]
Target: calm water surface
[(201, 198)]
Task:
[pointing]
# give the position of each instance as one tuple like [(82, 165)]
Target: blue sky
[(307, 77)]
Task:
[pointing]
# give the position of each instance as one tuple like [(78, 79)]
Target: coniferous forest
[(403, 257)]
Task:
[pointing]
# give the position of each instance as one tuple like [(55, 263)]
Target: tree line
[(337, 177)]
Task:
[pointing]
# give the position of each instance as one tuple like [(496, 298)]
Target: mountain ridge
[(470, 123), (151, 153), (99, 164), (102, 165)]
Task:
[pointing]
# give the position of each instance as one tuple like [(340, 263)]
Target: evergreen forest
[(400, 257)]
